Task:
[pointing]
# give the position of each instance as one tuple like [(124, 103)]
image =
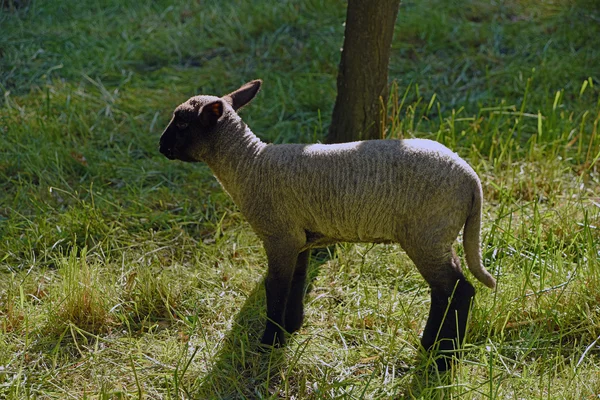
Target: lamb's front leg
[(294, 310), (282, 256)]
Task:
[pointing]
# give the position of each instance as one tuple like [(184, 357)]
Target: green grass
[(125, 275)]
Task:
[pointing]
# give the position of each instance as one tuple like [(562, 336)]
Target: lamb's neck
[(234, 158)]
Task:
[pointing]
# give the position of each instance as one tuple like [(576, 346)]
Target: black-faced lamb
[(413, 192)]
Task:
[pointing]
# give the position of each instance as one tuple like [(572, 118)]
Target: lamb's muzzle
[(166, 150), (413, 192)]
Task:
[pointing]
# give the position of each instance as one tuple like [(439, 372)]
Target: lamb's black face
[(186, 136), (176, 137), (195, 124)]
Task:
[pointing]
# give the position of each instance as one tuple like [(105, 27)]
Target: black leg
[(282, 260), (447, 322), (294, 311), (276, 297)]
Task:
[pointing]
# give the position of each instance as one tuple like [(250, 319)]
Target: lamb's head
[(197, 123)]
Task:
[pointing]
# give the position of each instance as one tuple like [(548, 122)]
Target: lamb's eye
[(181, 125)]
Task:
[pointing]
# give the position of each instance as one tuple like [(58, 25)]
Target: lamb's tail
[(471, 242)]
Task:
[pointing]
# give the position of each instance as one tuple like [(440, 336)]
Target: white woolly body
[(376, 191)]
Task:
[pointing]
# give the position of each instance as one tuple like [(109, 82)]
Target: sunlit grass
[(125, 275)]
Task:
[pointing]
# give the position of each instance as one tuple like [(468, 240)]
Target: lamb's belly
[(352, 215), (351, 231), (316, 239)]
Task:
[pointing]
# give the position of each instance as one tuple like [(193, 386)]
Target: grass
[(124, 275)]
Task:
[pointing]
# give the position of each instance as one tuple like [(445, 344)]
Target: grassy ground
[(124, 275)]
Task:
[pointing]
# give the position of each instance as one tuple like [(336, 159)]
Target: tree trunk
[(363, 72)]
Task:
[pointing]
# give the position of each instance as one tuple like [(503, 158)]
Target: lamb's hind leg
[(451, 298)]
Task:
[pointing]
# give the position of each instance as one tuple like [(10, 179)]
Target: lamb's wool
[(414, 192)]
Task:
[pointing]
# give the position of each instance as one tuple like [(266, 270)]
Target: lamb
[(413, 192)]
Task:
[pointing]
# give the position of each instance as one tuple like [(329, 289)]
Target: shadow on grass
[(241, 369)]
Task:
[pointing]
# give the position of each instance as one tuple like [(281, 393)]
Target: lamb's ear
[(210, 113), (243, 95)]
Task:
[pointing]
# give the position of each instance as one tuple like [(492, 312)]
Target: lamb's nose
[(167, 152)]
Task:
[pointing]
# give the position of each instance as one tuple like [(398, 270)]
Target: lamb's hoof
[(444, 362), (271, 340), (444, 354), (293, 323)]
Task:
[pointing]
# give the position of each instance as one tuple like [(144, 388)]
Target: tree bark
[(363, 72)]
